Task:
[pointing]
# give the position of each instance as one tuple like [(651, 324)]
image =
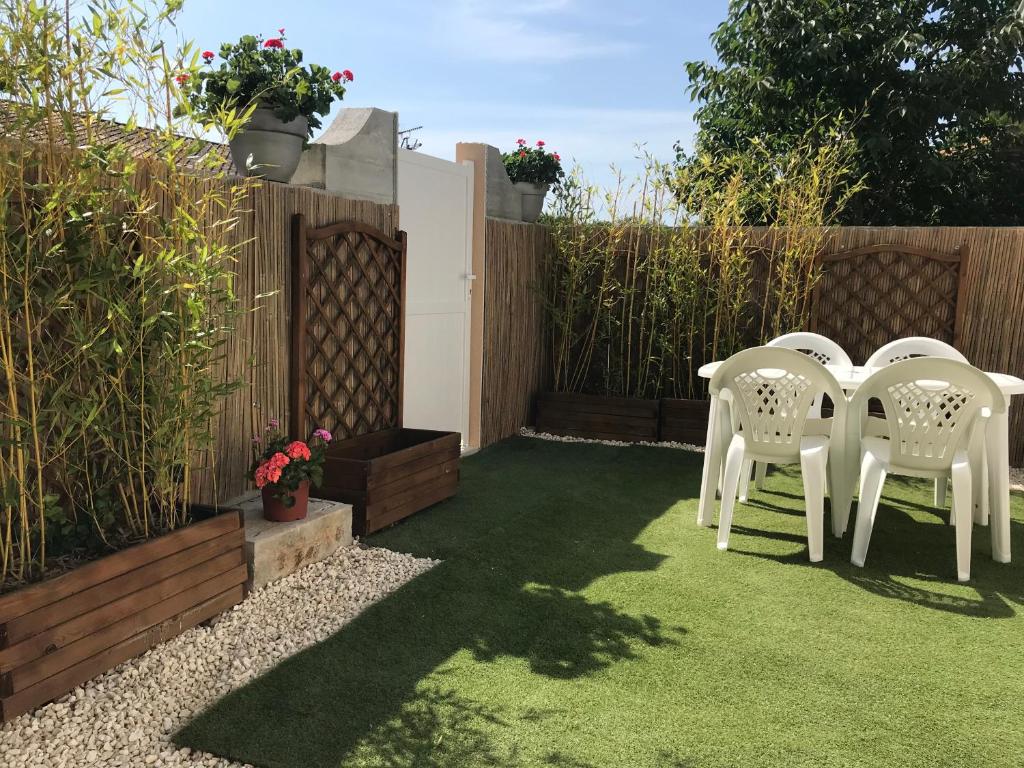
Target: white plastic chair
[(770, 392), (911, 347), (907, 349), (826, 352), (935, 409)]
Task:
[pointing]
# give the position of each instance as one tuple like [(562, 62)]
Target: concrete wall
[(503, 200), (356, 157)]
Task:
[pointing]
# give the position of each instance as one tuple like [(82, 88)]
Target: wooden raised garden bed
[(684, 421), (597, 417), (389, 475), (58, 634)]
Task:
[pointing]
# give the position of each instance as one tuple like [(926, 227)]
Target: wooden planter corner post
[(58, 634), (348, 347)]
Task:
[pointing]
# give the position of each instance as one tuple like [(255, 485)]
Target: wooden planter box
[(387, 476), (684, 421), (597, 417), (58, 634)]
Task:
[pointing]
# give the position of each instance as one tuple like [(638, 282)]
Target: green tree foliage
[(933, 91)]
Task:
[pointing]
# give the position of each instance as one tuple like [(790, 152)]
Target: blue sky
[(590, 77)]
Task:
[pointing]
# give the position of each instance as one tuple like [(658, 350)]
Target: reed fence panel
[(258, 352), (514, 339), (988, 316)]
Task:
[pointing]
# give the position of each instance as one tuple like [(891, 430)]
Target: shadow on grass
[(912, 546), (507, 587)]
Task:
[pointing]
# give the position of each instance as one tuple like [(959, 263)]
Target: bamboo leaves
[(668, 275), (115, 288)]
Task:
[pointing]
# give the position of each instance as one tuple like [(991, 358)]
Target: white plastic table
[(997, 447)]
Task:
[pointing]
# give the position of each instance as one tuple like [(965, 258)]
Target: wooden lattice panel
[(870, 296), (347, 330)]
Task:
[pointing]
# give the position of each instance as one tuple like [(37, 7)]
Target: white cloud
[(528, 31)]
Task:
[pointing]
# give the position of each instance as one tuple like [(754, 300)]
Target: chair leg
[(713, 449), (872, 477), (940, 492), (733, 464), (963, 506), (813, 467), (760, 472), (744, 487)]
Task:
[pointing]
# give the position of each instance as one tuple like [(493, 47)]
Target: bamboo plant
[(115, 282), (655, 276)]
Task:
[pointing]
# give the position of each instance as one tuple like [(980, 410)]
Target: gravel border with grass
[(126, 717)]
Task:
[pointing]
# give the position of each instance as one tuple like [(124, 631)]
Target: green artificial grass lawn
[(581, 618)]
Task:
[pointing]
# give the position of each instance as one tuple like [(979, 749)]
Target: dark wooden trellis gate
[(348, 337), (348, 334), (869, 296)]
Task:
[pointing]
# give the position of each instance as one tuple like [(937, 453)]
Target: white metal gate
[(435, 199)]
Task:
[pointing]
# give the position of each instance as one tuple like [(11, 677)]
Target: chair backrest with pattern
[(770, 393), (931, 407), (911, 347), (821, 348)]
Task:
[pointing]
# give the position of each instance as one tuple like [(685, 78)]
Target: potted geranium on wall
[(282, 98), (533, 170), (284, 469)]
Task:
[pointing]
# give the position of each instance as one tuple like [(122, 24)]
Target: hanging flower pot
[(280, 99), (269, 147), (533, 199), (532, 170), (283, 470)]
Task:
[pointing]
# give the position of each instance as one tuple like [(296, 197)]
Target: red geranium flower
[(281, 31), (521, 142), (347, 74), (540, 143), (557, 156), (336, 76), (208, 55), (522, 153), (273, 43), (297, 450), (181, 79)]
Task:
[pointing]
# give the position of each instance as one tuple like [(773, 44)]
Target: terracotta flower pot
[(277, 512)]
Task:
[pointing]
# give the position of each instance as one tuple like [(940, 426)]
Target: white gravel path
[(126, 717), (1016, 473)]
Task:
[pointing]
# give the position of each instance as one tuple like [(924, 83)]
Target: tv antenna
[(408, 141)]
